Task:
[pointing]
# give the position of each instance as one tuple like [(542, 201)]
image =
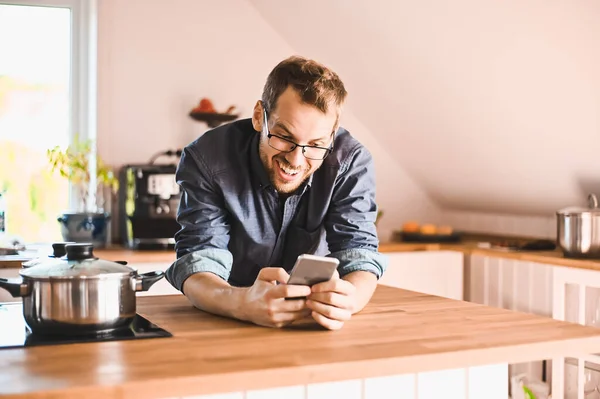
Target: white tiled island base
[(404, 344), (484, 382)]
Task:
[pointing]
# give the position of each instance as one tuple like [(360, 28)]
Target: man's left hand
[(332, 302)]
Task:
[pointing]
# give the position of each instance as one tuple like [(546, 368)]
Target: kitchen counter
[(555, 257), (398, 332)]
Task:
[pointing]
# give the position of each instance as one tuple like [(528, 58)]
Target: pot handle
[(15, 287), (146, 280), (593, 201)]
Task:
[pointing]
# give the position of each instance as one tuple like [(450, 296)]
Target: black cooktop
[(14, 332)]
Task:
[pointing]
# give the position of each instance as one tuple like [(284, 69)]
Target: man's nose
[(296, 157)]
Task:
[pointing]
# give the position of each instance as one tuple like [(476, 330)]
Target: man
[(258, 193)]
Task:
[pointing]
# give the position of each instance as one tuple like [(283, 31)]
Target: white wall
[(454, 100), (157, 58), (505, 224), (491, 106)]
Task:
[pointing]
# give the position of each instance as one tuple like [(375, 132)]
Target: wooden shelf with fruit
[(206, 112)]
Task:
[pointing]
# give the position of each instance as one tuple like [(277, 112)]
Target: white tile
[(392, 387), (535, 226), (294, 392), (351, 389), (489, 382), (447, 384), (233, 395), (523, 286), (494, 294)]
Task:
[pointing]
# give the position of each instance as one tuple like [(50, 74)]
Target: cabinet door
[(515, 285), (432, 272), (162, 286), (509, 284)]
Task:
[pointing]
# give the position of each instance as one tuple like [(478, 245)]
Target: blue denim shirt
[(233, 222)]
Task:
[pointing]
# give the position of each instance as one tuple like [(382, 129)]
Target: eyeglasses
[(286, 145)]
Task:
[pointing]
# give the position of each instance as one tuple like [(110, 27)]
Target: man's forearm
[(212, 294), (365, 283)]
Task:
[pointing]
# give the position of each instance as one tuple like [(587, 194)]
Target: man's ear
[(257, 116)]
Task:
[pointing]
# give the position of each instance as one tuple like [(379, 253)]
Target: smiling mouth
[(287, 173)]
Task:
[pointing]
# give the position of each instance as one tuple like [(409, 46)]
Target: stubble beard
[(272, 166)]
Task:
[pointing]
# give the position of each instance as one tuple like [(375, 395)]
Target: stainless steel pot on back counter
[(78, 293), (578, 230)]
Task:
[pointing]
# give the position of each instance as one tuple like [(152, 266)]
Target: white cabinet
[(489, 382), (431, 272), (162, 286), (576, 298), (516, 285), (509, 284)]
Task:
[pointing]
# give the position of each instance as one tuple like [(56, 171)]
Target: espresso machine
[(148, 202)]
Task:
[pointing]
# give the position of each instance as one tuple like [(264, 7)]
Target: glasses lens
[(315, 152), (280, 144)]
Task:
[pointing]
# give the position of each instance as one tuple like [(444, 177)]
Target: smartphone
[(312, 269)]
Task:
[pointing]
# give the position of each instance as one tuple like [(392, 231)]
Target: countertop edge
[(359, 369), (300, 375)]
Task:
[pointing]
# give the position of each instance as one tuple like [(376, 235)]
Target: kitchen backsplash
[(518, 225)]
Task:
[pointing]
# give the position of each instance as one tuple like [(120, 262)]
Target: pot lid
[(58, 251), (79, 262), (592, 208)]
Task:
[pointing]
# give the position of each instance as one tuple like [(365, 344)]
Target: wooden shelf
[(212, 119)]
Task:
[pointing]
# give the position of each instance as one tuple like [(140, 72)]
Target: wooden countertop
[(468, 247), (398, 332)]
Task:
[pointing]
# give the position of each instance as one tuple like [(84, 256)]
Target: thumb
[(273, 274), (336, 275)]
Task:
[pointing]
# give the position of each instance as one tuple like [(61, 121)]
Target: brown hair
[(315, 83)]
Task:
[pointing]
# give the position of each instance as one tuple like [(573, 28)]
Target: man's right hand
[(264, 302)]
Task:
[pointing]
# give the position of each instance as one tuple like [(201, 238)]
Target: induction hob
[(14, 332)]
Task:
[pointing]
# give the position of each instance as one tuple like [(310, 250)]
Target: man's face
[(300, 123)]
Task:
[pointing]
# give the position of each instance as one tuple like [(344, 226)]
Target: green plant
[(379, 215), (73, 163)]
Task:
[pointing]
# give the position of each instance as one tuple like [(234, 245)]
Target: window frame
[(83, 76)]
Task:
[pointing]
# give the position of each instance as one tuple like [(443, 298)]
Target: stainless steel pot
[(79, 293), (578, 230)]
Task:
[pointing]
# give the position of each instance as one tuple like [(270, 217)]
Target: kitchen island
[(402, 337)]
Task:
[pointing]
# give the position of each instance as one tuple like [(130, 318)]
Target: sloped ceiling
[(491, 106)]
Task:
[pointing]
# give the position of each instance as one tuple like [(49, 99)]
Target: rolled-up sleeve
[(366, 260), (202, 241), (350, 223), (215, 261)]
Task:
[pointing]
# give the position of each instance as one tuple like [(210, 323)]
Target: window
[(44, 102)]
